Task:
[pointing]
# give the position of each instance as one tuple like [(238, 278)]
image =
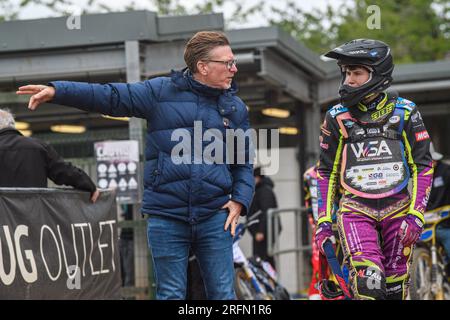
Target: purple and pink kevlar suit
[(374, 153)]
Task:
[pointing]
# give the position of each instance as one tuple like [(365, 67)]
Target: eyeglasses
[(229, 63)]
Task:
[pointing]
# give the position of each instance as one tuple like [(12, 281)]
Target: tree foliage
[(417, 30)]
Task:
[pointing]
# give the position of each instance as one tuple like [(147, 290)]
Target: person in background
[(126, 247), (263, 200), (27, 162)]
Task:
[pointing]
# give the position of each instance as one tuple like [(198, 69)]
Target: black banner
[(56, 244)]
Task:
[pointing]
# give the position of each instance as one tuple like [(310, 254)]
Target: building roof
[(146, 26)]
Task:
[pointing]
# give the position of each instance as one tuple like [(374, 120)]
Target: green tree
[(8, 10), (417, 30)]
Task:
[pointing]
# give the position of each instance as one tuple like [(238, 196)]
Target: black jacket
[(264, 199), (28, 162), (440, 192)]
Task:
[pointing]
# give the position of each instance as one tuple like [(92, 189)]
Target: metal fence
[(143, 286), (302, 242)]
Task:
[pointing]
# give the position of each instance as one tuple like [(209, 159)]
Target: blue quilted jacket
[(191, 191)]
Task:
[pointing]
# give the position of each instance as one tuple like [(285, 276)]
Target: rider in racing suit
[(372, 144)]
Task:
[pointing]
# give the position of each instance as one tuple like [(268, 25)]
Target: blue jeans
[(170, 240), (443, 235)]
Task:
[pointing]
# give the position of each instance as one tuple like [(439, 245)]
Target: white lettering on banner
[(31, 276), (46, 227), (81, 225), (105, 245), (68, 269), (90, 255), (25, 261), (7, 279), (28, 276), (371, 150)]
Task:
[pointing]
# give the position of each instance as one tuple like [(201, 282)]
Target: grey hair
[(6, 119)]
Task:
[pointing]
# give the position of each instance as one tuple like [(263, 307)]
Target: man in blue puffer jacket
[(196, 203)]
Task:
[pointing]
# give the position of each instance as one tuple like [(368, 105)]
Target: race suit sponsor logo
[(416, 117), (373, 278), (394, 119), (397, 288), (372, 149), (357, 52), (359, 132), (314, 199), (349, 124), (422, 135), (393, 175), (427, 195), (373, 131), (337, 109), (374, 177), (386, 110)]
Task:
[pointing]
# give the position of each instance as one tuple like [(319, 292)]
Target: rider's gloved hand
[(410, 230), (324, 232)]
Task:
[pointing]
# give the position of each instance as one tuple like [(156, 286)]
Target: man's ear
[(202, 68)]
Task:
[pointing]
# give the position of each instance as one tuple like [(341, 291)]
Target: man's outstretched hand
[(39, 94)]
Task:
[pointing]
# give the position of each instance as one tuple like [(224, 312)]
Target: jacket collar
[(9, 130), (184, 80)]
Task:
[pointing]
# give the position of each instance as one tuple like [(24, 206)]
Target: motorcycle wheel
[(243, 286), (420, 287)]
